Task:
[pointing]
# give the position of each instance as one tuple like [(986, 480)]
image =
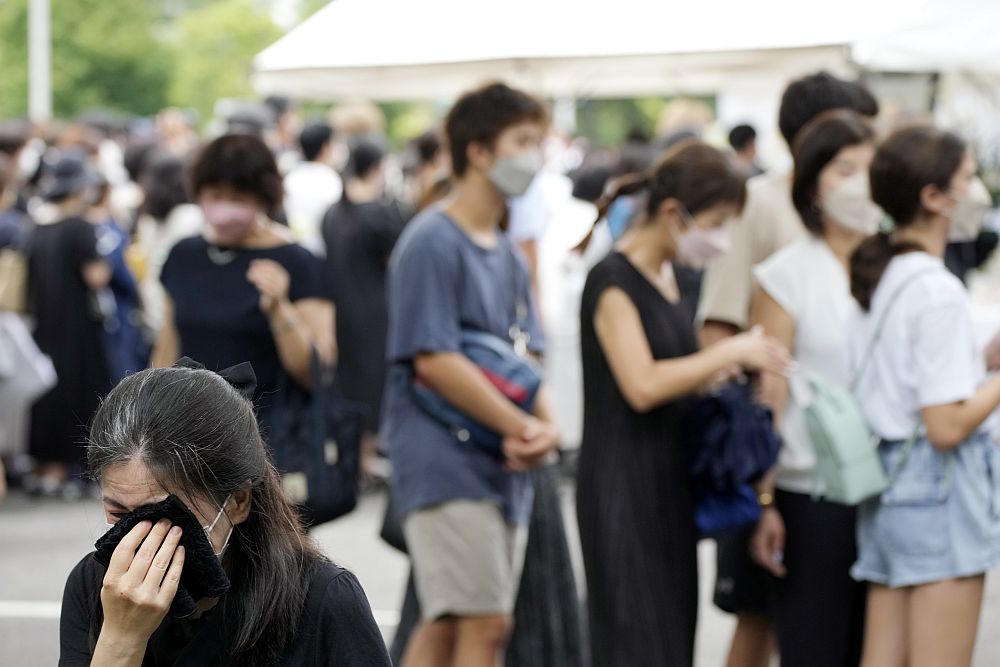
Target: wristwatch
[(765, 500)]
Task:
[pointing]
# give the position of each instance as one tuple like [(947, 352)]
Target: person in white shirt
[(803, 300), (312, 187), (167, 216), (925, 544)]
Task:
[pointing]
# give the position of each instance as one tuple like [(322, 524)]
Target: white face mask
[(208, 529), (512, 176), (850, 205), (970, 210)]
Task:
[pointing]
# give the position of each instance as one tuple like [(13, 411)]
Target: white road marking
[(29, 609)]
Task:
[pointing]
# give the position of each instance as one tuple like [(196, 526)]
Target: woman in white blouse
[(803, 300)]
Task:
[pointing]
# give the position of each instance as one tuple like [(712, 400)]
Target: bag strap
[(880, 325), (518, 330)]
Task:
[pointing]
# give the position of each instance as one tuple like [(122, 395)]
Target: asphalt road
[(40, 542)]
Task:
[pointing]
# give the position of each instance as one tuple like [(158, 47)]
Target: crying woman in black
[(204, 562)]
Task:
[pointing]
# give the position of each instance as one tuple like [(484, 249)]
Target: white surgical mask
[(207, 529), (970, 210), (850, 205), (512, 176)]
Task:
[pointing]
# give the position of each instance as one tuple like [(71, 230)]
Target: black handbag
[(392, 526), (315, 439)]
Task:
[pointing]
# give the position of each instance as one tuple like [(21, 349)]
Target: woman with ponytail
[(925, 544), (640, 364), (210, 564)]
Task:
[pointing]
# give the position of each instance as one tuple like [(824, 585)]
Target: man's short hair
[(313, 138), (808, 97), (480, 116), (742, 136)]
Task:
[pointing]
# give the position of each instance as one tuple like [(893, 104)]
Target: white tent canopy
[(434, 49), (937, 36)]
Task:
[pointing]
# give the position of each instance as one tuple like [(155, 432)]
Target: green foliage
[(103, 54), (214, 48), (607, 122), (310, 7), (136, 56)]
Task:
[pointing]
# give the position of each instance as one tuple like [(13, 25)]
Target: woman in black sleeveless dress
[(640, 362)]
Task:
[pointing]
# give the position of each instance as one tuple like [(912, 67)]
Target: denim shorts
[(938, 520)]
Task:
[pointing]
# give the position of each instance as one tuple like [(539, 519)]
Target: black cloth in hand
[(202, 577)]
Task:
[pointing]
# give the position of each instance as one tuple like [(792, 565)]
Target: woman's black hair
[(242, 162), (817, 145), (163, 182), (908, 161), (692, 172), (198, 437)]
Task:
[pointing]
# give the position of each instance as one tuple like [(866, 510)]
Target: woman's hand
[(756, 351), (768, 542), (139, 586), (272, 281)]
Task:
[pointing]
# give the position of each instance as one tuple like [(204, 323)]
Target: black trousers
[(818, 611)]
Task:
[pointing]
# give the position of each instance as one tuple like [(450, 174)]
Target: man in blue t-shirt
[(465, 509)]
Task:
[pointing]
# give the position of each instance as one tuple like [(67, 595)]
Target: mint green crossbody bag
[(847, 460)]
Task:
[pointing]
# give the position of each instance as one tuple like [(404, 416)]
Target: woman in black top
[(65, 271), (360, 232), (640, 362), (188, 433), (243, 291)]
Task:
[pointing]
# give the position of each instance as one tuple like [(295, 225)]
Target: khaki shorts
[(467, 558)]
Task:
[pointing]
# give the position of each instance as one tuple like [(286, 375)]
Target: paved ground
[(40, 541)]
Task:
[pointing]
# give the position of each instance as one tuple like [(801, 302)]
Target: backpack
[(847, 460)]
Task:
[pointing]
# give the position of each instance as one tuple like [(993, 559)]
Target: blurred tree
[(104, 54), (214, 46), (310, 7), (607, 122), (406, 120)]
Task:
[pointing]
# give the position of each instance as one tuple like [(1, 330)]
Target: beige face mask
[(970, 210), (850, 205)]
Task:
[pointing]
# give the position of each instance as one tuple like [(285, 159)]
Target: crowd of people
[(514, 311)]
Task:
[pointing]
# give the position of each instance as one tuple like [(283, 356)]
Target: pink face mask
[(697, 246), (228, 221)]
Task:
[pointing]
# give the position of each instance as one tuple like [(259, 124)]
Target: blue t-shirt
[(440, 282)]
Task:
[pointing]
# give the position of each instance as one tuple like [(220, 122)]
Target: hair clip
[(241, 376)]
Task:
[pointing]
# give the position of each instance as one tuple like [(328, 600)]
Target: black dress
[(634, 504), (69, 330), (359, 239)]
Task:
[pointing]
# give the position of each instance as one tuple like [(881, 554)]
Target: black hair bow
[(241, 376)]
